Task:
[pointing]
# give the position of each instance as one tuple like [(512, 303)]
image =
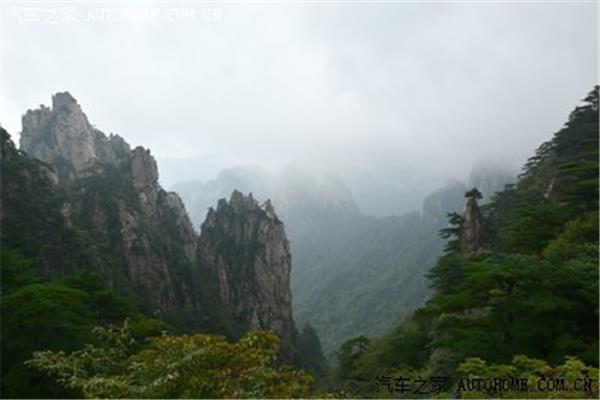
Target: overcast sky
[(395, 88)]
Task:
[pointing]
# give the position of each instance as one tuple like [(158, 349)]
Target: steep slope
[(143, 231), (342, 257), (51, 295), (149, 249), (200, 196), (63, 137), (244, 247), (305, 200), (519, 290), (35, 216), (372, 268), (556, 184)]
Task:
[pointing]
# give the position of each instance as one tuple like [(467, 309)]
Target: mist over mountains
[(90, 238), (374, 193), (87, 229), (371, 267), (299, 199)]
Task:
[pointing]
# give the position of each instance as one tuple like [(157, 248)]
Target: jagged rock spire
[(472, 226), (269, 209), (63, 137), (145, 228), (244, 248)]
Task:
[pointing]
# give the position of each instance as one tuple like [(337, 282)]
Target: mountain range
[(87, 217), (372, 268)]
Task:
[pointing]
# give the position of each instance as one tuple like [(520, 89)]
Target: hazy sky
[(392, 89)]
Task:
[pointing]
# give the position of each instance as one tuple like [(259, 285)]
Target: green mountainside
[(52, 289), (89, 238), (516, 289), (108, 291), (372, 268)]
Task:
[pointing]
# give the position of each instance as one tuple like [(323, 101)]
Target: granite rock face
[(244, 248), (118, 201), (306, 200), (144, 171), (145, 234), (63, 137), (472, 227)]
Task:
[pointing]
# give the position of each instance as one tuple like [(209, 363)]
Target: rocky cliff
[(305, 200), (470, 239), (34, 216), (63, 137), (143, 231), (147, 246), (243, 246)]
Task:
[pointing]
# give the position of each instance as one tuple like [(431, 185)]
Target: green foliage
[(573, 240), (447, 273), (33, 220), (474, 194), (14, 269), (557, 185), (194, 366), (349, 268), (349, 353), (453, 232), (507, 305), (346, 376), (55, 315), (534, 227), (573, 372), (106, 193), (309, 354), (35, 317), (532, 291), (405, 346)]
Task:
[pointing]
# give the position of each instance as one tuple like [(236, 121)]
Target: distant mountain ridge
[(300, 197), (341, 256), (516, 288)]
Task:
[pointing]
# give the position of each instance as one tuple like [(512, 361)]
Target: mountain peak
[(64, 101), (64, 138), (144, 170), (253, 280)]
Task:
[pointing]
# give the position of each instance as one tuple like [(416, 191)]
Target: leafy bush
[(189, 366)]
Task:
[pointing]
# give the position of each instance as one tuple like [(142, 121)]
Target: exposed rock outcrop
[(470, 240), (144, 171), (118, 201), (63, 137), (146, 240), (243, 246), (304, 199)]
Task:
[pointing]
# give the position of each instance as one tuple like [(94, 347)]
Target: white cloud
[(400, 88)]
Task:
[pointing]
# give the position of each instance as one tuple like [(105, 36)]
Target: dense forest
[(372, 267), (515, 293), (75, 323)]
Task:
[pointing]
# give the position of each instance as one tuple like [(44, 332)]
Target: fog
[(391, 96)]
